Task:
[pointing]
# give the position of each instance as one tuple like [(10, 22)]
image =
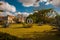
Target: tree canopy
[(41, 15)]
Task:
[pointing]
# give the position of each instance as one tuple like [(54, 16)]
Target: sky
[(28, 6)]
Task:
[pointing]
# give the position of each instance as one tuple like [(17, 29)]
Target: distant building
[(10, 18), (21, 18), (2, 18)]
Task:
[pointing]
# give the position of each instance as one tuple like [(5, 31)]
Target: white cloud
[(26, 14), (7, 7), (28, 3), (5, 13), (23, 13), (47, 3), (17, 13), (8, 13), (35, 3), (44, 0), (56, 3)]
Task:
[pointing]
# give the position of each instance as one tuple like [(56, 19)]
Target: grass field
[(35, 31)]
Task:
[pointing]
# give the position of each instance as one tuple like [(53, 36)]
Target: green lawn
[(42, 32)]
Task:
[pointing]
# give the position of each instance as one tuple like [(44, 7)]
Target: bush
[(40, 23), (6, 24), (27, 25), (1, 22)]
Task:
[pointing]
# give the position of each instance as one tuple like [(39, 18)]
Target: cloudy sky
[(28, 6)]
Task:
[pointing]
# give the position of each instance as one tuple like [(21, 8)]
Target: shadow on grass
[(33, 36), (5, 36)]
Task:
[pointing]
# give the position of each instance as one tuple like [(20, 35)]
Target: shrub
[(27, 25)]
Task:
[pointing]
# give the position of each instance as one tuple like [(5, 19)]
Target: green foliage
[(40, 15), (57, 18), (5, 36), (32, 36)]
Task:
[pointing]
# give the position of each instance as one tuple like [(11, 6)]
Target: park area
[(19, 32), (29, 20)]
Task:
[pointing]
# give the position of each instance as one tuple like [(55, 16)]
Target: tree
[(41, 15), (58, 20)]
